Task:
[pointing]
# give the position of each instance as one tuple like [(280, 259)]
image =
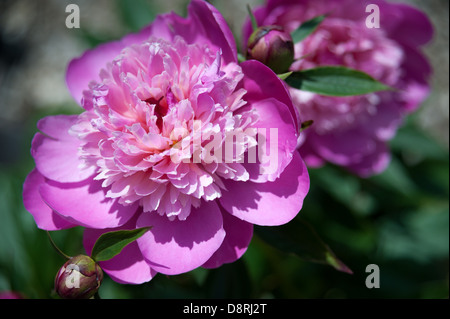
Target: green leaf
[(111, 244), (299, 238), (306, 124), (396, 178), (335, 81), (252, 18), (306, 28), (417, 144), (241, 57), (284, 76)]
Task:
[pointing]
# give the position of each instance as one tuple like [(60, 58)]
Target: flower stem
[(56, 247), (252, 18)]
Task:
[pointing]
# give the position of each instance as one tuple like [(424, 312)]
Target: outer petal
[(57, 126), (210, 27), (174, 247), (85, 204), (404, 23), (279, 135), (383, 125), (261, 83), (205, 25), (311, 158), (128, 267), (343, 148), (373, 163), (81, 71), (56, 152), (417, 72), (272, 203), (239, 235), (43, 215)]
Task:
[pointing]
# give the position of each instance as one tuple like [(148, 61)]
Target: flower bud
[(79, 278), (272, 46)]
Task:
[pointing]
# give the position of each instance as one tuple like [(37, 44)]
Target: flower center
[(153, 97), (161, 109)]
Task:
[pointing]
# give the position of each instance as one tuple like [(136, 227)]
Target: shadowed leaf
[(299, 238), (111, 244)]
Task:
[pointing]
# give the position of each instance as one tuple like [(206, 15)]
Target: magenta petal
[(343, 148), (405, 23), (270, 87), (311, 158), (385, 122), (81, 71), (274, 120), (204, 26), (174, 247), (239, 234), (43, 215), (374, 163), (128, 267), (211, 22), (85, 204), (57, 126), (271, 203), (58, 160), (56, 152)]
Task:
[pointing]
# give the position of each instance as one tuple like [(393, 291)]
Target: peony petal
[(215, 27), (128, 267), (405, 23), (239, 234), (85, 69), (43, 215), (56, 153), (57, 126), (174, 247), (204, 26), (278, 140), (271, 203), (374, 163), (85, 204), (261, 83), (343, 148), (311, 158), (385, 122), (81, 71)]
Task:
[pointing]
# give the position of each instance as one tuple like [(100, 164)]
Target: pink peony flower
[(353, 131), (168, 138)]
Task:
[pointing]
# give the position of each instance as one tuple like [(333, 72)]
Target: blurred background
[(398, 220)]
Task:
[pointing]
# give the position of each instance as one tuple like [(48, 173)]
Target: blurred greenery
[(398, 220)]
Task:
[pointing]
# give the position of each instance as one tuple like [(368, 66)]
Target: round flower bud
[(79, 278), (272, 46)]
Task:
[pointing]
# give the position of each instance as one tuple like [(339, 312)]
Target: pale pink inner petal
[(165, 127)]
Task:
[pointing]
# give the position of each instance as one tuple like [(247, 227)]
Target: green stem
[(252, 18), (56, 247)]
